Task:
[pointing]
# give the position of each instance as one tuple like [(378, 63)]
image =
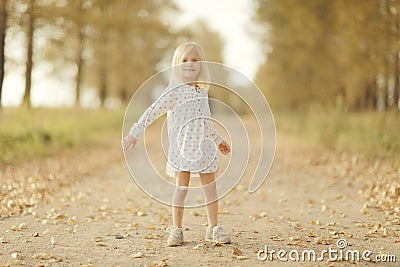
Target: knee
[(180, 193), (210, 191), (181, 189)]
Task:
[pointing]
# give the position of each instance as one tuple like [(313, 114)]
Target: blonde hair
[(204, 75)]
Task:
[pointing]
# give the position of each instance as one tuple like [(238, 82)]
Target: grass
[(39, 132), (371, 134)]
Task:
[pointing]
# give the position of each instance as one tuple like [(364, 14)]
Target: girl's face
[(190, 67)]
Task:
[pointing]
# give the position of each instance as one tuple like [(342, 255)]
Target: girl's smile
[(190, 67)]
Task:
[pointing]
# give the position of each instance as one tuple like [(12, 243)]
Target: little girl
[(192, 138)]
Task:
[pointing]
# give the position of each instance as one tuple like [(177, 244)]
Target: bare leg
[(178, 199), (210, 192)]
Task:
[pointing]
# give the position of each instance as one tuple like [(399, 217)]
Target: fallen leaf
[(22, 226), (236, 251), (194, 213), (223, 212), (14, 255), (311, 234), (141, 213), (163, 219), (161, 263), (263, 214), (97, 238), (148, 246), (200, 247), (134, 226), (41, 256), (138, 255), (276, 238)]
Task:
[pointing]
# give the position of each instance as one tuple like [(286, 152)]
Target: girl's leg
[(210, 192), (214, 232), (178, 199)]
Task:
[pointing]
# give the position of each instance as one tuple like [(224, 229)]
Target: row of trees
[(342, 53), (112, 46)]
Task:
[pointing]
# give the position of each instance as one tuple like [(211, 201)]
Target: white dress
[(192, 136)]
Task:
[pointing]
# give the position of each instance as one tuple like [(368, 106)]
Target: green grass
[(39, 132), (372, 134)]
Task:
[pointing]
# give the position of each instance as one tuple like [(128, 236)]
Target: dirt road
[(311, 199)]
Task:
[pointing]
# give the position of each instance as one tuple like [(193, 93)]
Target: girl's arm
[(216, 137), (223, 147), (164, 103)]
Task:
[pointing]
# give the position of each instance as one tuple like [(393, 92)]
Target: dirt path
[(310, 200)]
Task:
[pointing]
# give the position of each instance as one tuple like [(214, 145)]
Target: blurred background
[(329, 69)]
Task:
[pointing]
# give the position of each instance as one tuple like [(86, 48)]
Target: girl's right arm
[(164, 103)]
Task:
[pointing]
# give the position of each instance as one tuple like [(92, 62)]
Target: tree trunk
[(103, 69), (79, 60), (388, 59), (104, 58), (29, 61), (123, 96), (397, 63), (3, 28), (368, 97)]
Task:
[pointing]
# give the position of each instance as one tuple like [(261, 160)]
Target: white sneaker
[(217, 234), (175, 237)]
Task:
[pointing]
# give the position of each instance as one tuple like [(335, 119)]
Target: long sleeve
[(164, 103), (213, 132), (216, 137)]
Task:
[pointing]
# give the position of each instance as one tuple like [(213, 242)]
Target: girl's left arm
[(164, 103)]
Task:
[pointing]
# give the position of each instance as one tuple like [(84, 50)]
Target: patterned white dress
[(191, 134)]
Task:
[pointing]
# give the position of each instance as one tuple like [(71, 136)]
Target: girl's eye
[(184, 60)]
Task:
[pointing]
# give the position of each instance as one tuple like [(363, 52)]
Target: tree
[(112, 46), (3, 28), (128, 41), (29, 55), (329, 52), (79, 55)]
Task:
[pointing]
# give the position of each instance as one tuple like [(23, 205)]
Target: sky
[(231, 19)]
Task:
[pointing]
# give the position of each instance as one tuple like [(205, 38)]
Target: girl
[(192, 138)]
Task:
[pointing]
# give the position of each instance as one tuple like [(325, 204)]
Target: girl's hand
[(224, 148), (128, 142)]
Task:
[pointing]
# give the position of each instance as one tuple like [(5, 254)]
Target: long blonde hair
[(204, 75)]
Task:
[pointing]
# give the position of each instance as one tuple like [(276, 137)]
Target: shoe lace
[(220, 230), (171, 228)]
